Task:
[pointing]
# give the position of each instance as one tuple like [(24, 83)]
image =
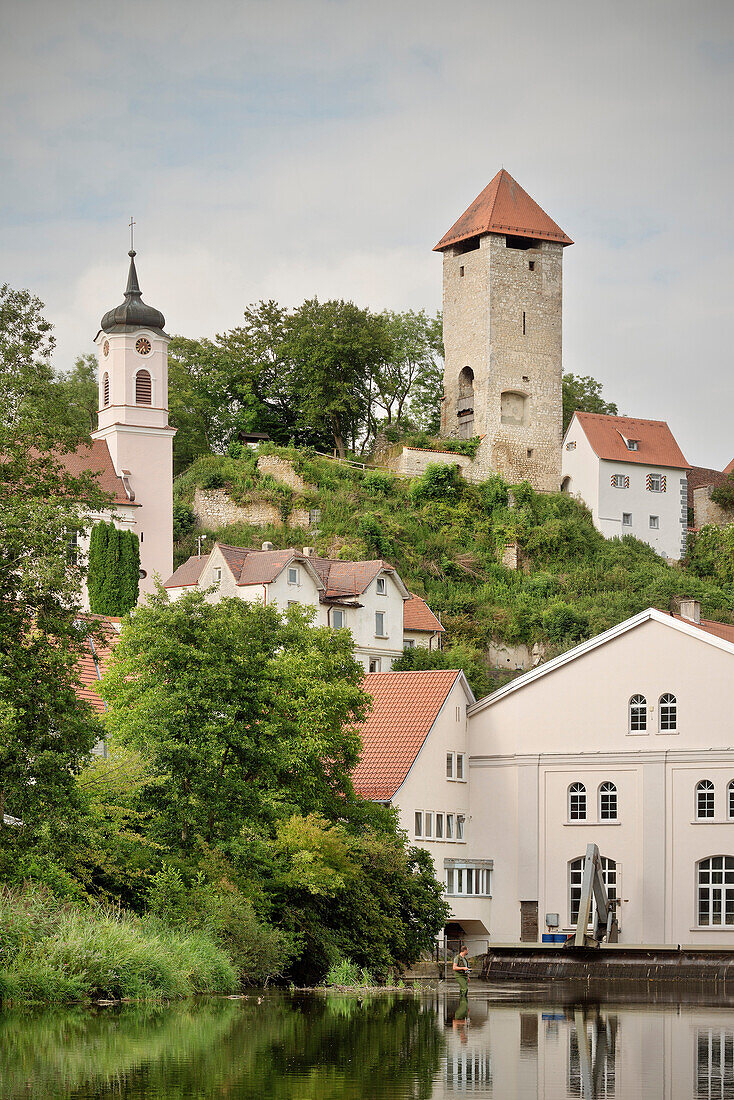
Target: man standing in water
[(461, 969)]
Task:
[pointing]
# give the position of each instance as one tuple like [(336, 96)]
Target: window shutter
[(143, 388)]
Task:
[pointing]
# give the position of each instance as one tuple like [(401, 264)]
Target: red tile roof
[(418, 616), (95, 458), (656, 445), (188, 573), (94, 661), (721, 630), (405, 706), (730, 468), (340, 578), (503, 207)]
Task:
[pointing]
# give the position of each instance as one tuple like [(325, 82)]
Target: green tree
[(582, 393), (335, 347), (46, 731), (114, 569), (408, 380), (80, 393), (471, 661), (243, 713)]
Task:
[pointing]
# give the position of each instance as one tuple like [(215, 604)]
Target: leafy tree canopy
[(582, 393)]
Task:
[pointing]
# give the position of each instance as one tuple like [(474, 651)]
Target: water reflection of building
[(593, 1052)]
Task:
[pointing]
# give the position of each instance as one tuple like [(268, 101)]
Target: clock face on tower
[(142, 346), (106, 348)]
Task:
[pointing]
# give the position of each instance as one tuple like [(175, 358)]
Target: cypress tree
[(110, 596), (130, 570), (97, 557)]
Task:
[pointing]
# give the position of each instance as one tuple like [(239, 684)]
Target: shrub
[(184, 521), (378, 483), (345, 972), (561, 621), (438, 482)]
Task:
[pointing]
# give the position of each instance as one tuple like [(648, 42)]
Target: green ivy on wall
[(114, 570)]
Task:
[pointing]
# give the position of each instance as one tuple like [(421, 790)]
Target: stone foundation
[(280, 469), (706, 511), (213, 508)]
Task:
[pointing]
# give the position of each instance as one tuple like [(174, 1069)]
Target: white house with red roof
[(420, 626), (366, 597), (632, 476)]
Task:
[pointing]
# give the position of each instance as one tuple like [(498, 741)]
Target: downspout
[(265, 595)]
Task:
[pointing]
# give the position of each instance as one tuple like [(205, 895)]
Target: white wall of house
[(422, 638), (571, 725), (428, 790), (580, 468)]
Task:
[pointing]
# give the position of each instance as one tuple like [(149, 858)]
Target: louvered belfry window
[(105, 390), (143, 388)]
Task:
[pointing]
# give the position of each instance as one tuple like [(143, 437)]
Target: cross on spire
[(132, 227)]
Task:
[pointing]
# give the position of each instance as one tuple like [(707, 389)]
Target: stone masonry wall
[(706, 511), (282, 470), (484, 330), (213, 508), (414, 461)]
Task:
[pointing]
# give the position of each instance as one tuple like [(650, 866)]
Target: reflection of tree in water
[(592, 1054), (287, 1049)]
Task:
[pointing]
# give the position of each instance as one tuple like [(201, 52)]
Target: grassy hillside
[(446, 539)]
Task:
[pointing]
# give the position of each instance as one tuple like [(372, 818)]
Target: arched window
[(704, 799), (466, 382), (143, 388), (730, 798), (105, 390), (575, 876), (465, 403), (668, 713), (608, 802), (577, 802), (716, 890), (638, 714)]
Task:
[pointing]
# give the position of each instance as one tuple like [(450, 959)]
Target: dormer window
[(143, 388), (381, 586), (633, 444)]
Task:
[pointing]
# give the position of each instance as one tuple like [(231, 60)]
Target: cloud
[(285, 149)]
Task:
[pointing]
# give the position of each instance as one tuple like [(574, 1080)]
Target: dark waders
[(462, 981)]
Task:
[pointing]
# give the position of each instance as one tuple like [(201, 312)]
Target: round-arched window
[(143, 388), (638, 714), (608, 802), (668, 713), (716, 891), (577, 802), (704, 799)]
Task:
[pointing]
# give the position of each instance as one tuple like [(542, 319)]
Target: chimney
[(308, 551), (691, 610), (267, 546)]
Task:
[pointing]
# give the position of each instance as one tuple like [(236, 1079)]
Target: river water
[(508, 1042)]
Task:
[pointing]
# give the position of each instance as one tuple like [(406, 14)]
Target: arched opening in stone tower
[(514, 408), (465, 403)]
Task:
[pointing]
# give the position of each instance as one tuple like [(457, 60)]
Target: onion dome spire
[(133, 313)]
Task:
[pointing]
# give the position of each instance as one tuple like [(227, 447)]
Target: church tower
[(502, 294), (133, 420)]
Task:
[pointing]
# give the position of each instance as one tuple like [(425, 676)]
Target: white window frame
[(374, 665), (450, 765), (408, 643), (337, 611), (467, 880), (418, 823), (381, 586), (428, 824), (637, 715), (456, 771), (716, 886), (705, 805), (610, 871), (294, 575), (654, 522), (577, 802), (438, 826), (655, 483), (460, 823), (626, 519), (668, 713), (217, 573), (619, 481), (730, 799), (380, 624), (608, 801), (449, 826)]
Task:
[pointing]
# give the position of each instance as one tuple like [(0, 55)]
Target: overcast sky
[(291, 148)]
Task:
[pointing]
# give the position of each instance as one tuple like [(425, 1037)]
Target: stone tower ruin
[(502, 295)]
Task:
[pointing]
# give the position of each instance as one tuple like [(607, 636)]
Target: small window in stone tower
[(523, 323), (531, 265), (143, 388), (461, 271)]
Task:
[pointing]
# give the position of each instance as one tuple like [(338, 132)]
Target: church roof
[(133, 313), (94, 457), (503, 207)]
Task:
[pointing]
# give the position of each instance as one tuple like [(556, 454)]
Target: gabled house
[(366, 597), (420, 625), (632, 476), (415, 757)]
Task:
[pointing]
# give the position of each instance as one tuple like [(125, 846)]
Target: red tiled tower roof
[(503, 207), (404, 707)]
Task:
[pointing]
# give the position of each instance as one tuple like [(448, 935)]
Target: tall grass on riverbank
[(51, 952)]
